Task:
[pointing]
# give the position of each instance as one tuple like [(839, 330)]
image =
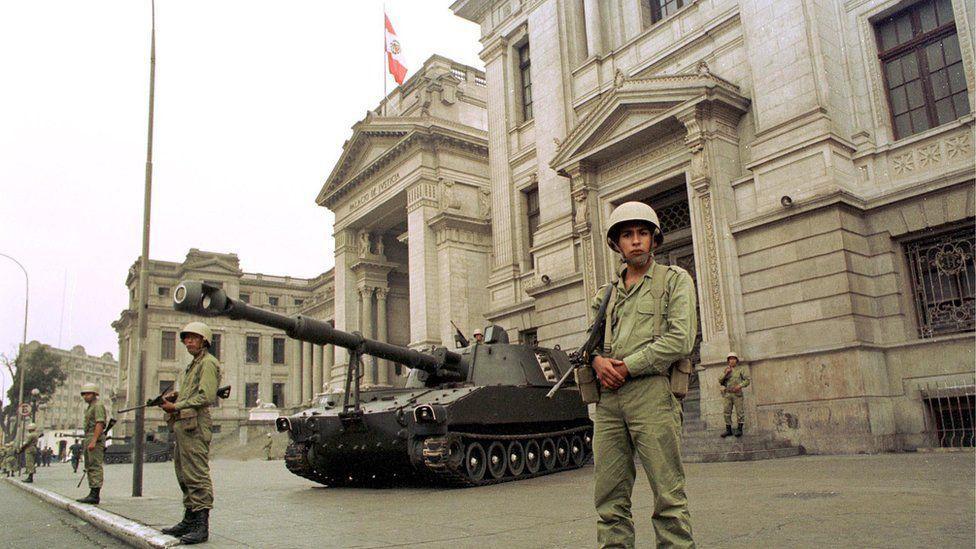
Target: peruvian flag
[(394, 53)]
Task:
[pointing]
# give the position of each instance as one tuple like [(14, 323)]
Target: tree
[(43, 372)]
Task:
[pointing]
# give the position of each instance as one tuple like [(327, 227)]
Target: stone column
[(295, 375), (317, 352), (328, 363), (383, 373), (306, 372), (594, 28), (592, 248), (369, 362), (347, 300), (422, 257)]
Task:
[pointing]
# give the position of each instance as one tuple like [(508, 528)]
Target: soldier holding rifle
[(94, 442), (650, 325)]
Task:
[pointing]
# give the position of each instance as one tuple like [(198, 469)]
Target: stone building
[(412, 205), (64, 412), (260, 363), (812, 164)]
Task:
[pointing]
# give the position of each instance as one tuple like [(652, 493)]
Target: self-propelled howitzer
[(466, 417)]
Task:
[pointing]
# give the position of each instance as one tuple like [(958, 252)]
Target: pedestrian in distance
[(191, 424), (650, 324), (267, 446), (76, 449), (733, 380), (96, 418)]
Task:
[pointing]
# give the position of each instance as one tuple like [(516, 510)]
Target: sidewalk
[(894, 500)]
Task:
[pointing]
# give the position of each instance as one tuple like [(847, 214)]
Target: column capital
[(381, 293)]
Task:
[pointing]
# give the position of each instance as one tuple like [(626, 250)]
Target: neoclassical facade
[(813, 167), (261, 364), (413, 208)]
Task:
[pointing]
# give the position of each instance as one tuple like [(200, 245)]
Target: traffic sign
[(24, 410)]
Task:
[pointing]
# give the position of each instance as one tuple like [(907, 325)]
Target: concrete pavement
[(891, 500)]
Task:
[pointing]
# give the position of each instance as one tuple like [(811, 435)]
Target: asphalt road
[(29, 522)]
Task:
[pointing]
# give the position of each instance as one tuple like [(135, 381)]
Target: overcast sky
[(253, 102)]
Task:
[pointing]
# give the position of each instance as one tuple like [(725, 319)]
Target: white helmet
[(629, 212), (199, 328), (89, 388)]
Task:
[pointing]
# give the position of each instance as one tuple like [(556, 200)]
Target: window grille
[(943, 275), (674, 217), (250, 395), (532, 213), (662, 9), (168, 346), (253, 349), (278, 350), (949, 416), (215, 346)]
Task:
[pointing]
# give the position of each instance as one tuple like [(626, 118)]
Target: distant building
[(259, 363)]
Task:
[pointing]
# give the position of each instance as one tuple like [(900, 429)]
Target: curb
[(129, 531)]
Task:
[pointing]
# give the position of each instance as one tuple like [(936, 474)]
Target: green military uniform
[(737, 378), (10, 460), (3, 457), (650, 325), (267, 447), (192, 431), (29, 448), (94, 459)]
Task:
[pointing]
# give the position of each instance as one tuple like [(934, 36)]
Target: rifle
[(111, 423), (459, 336), (582, 357), (170, 396)]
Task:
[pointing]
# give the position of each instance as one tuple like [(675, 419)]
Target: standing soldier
[(267, 446), (4, 448), (94, 442), (29, 448), (10, 460), (190, 422), (651, 323), (734, 379)]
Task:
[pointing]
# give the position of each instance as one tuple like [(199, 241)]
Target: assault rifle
[(170, 396), (111, 423), (459, 336), (582, 357)]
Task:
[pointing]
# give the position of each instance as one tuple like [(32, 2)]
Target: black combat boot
[(92, 497), (738, 432), (199, 530), (728, 431), (30, 478), (180, 527)]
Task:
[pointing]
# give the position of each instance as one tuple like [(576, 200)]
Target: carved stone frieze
[(422, 193), (711, 261), (951, 148)]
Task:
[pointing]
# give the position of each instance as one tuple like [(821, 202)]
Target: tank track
[(445, 458), (296, 461)]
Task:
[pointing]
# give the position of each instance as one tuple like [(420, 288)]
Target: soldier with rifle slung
[(29, 449), (191, 424), (96, 419)]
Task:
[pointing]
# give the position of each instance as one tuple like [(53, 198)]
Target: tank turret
[(466, 417)]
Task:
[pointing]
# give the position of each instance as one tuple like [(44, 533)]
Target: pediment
[(366, 145), (211, 265), (640, 109)]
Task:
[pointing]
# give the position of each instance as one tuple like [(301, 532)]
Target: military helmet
[(199, 328), (269, 435), (732, 354), (89, 388), (478, 332), (31, 427), (630, 212)]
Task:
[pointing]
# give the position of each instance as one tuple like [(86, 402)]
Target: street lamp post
[(35, 393), (23, 347)]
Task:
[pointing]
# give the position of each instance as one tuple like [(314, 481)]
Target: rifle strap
[(657, 291), (611, 300)]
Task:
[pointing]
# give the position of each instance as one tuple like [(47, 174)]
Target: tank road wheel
[(496, 460), (562, 451), (576, 451), (533, 457), (475, 462), (516, 458), (548, 454)]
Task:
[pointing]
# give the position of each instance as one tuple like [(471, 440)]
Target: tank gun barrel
[(200, 298)]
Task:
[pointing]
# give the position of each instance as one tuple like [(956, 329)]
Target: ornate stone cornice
[(656, 100), (451, 227), (425, 132)]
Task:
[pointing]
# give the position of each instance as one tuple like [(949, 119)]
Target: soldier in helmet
[(267, 446), (190, 421), (29, 449), (651, 323), (94, 442), (733, 380), (479, 336)]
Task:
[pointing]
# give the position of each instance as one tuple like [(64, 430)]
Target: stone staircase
[(701, 445)]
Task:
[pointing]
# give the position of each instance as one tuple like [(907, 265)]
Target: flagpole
[(383, 103)]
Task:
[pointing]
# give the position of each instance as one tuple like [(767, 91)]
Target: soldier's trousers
[(641, 416), (733, 399), (30, 462), (94, 459), (190, 459)]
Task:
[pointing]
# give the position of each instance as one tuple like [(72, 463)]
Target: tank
[(466, 417), (155, 450)]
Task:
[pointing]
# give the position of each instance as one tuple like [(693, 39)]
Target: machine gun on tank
[(203, 299)]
